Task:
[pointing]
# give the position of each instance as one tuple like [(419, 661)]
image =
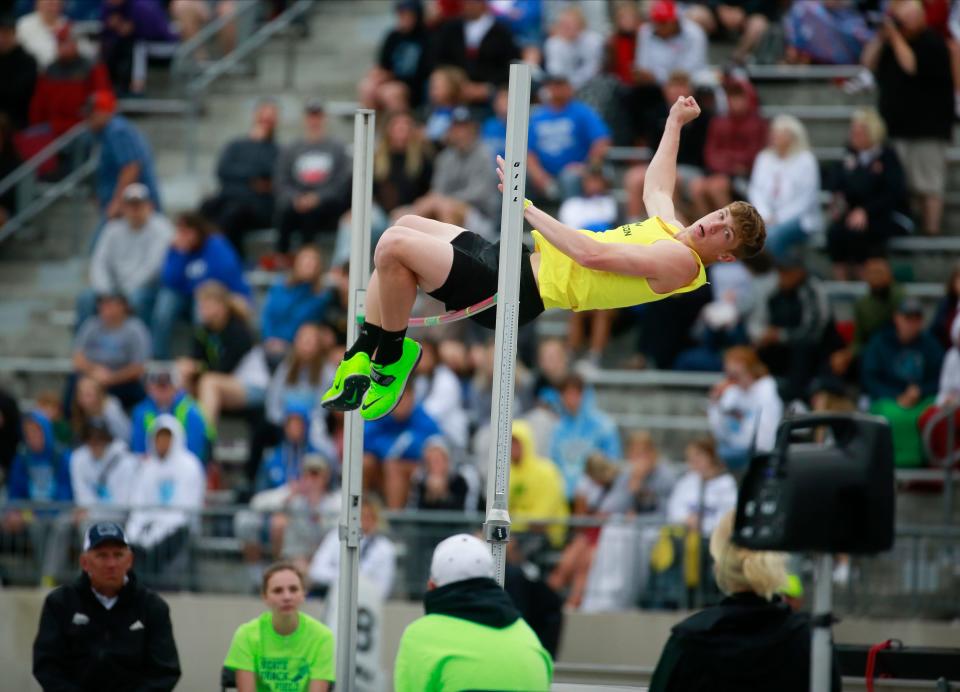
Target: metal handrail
[(41, 157), (186, 49), (802, 72), (197, 87), (48, 197), (443, 517), (201, 83), (51, 194)]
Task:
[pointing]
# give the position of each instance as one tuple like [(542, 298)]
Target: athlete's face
[(713, 236)]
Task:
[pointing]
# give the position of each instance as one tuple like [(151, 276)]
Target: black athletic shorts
[(473, 278)]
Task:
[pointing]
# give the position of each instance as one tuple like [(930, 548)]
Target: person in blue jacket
[(285, 463), (40, 473), (565, 135), (163, 396), (293, 301), (393, 447), (581, 429), (196, 255)]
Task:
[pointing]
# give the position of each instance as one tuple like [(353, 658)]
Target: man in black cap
[(311, 181), (105, 631), (900, 374)]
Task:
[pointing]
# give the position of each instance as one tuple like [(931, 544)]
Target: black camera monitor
[(827, 486)]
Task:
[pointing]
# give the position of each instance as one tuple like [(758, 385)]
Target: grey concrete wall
[(204, 624)]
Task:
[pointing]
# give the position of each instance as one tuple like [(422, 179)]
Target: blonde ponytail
[(739, 569)]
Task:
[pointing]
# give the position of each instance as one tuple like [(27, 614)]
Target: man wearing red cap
[(669, 42), (665, 44), (125, 155)]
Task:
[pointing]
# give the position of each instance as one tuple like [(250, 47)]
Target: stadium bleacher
[(195, 107)]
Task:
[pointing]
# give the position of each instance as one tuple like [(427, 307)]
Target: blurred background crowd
[(182, 365)]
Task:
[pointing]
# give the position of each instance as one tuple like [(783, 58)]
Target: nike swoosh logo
[(366, 406), (352, 400)]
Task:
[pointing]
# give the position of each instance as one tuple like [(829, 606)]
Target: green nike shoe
[(349, 384), (387, 382)]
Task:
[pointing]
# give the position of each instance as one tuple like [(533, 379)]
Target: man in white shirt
[(573, 50), (129, 256), (37, 33), (669, 42)]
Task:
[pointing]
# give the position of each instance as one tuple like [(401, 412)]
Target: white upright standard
[(496, 528), (352, 476)]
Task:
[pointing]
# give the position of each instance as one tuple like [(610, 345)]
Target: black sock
[(366, 341), (390, 348)]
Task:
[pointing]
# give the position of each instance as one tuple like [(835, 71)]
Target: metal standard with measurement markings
[(497, 524)]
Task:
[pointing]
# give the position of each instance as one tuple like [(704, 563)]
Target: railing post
[(25, 191), (289, 59), (948, 462)]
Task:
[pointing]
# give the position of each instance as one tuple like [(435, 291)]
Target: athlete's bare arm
[(661, 178), (666, 265)]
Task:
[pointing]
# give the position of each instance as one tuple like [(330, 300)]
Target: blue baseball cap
[(103, 532)]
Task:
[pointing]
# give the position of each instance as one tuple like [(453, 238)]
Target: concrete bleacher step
[(41, 271), (819, 93)]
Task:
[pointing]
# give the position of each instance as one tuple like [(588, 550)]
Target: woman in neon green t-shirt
[(283, 650)]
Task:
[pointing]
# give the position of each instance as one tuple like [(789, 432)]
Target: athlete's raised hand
[(500, 164), (685, 109)]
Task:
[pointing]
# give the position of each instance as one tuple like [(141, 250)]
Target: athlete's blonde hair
[(739, 569), (750, 228)]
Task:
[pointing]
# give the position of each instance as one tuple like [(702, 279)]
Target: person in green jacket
[(871, 313), (472, 636)]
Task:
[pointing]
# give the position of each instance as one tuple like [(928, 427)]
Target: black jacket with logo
[(83, 646)]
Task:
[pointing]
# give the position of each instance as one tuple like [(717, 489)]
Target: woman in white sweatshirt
[(745, 407), (785, 186)]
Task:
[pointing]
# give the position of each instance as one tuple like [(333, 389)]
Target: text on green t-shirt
[(283, 663)]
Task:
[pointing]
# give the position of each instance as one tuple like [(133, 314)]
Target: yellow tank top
[(566, 284)]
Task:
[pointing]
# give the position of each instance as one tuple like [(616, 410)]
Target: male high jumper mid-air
[(573, 269)]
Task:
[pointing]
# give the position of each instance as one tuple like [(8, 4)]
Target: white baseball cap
[(460, 557)]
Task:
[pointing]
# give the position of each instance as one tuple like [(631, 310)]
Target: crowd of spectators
[(439, 84), (64, 58)]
